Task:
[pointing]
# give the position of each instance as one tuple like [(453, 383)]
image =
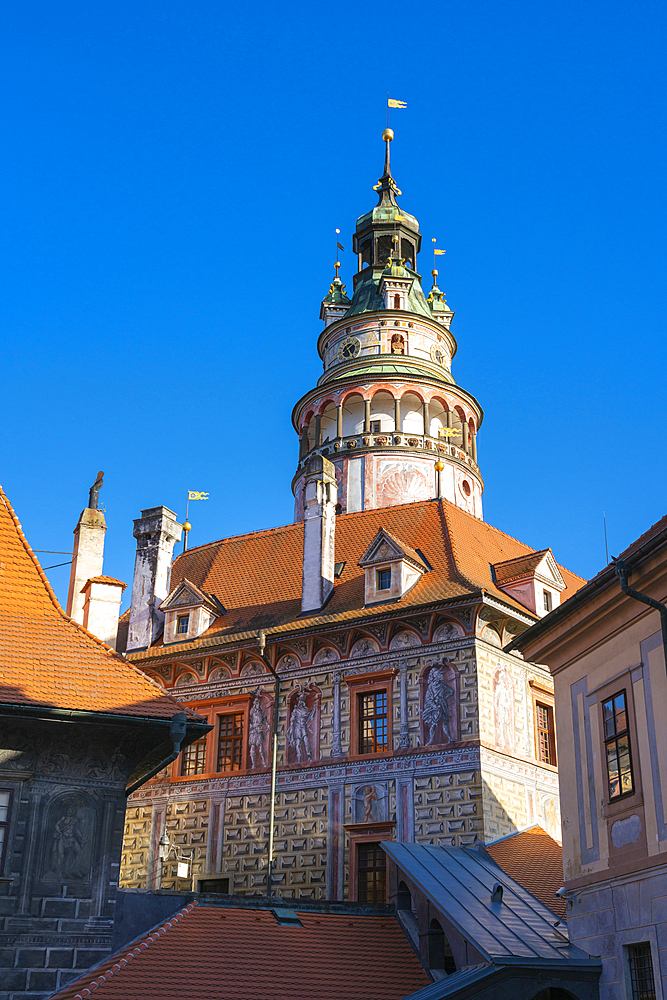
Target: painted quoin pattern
[(387, 408)]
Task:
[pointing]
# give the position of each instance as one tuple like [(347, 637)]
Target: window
[(641, 971), (375, 426), (230, 742), (371, 873), (193, 758), (5, 803), (373, 722), (397, 301), (546, 736), (182, 624), (547, 600), (617, 746), (384, 579), (214, 885)]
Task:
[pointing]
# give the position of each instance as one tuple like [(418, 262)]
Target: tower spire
[(386, 185)]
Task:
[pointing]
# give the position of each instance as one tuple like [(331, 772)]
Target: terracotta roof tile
[(103, 579), (47, 659), (257, 577), (222, 953), (534, 860), (510, 569)]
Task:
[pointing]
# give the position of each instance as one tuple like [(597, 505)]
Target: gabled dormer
[(392, 569), (533, 580), (188, 612)]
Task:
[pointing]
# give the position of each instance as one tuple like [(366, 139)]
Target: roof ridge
[(56, 604), (142, 946), (452, 546)]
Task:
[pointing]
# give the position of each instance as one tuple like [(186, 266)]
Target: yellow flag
[(439, 253), (192, 495), (391, 103)]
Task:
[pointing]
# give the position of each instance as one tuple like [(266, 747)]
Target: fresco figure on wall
[(370, 796), (297, 731), (68, 844), (259, 725), (503, 709), (436, 705)]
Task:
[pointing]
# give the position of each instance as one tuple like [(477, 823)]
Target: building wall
[(59, 875), (451, 793)]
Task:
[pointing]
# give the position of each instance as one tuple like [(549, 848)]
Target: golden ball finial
[(439, 466), (434, 272), (388, 134), (186, 526)]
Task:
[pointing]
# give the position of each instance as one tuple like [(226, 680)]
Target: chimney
[(88, 554), (319, 527), (156, 532), (102, 596)]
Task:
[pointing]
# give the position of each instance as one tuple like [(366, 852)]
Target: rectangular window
[(375, 426), (230, 742), (546, 736), (5, 803), (547, 600), (384, 579), (182, 624), (373, 722), (371, 874), (194, 758), (617, 747), (641, 971)]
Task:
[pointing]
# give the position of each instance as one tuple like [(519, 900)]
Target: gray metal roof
[(455, 981), (459, 882)]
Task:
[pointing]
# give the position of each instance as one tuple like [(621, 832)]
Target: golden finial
[(337, 266), (388, 134), (186, 526), (439, 466)]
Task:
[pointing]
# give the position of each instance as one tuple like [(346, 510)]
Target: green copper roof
[(336, 294), (367, 298), (409, 368)]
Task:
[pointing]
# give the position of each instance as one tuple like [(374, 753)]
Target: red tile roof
[(257, 577), (103, 579), (47, 659), (534, 860), (222, 953), (511, 569)]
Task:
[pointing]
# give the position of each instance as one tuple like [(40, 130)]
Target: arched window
[(397, 301), (403, 897), (554, 993), (440, 958)]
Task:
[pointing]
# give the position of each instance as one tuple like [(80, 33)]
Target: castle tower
[(387, 411)]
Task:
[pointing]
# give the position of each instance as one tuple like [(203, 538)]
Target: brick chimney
[(88, 554), (156, 532), (102, 596), (319, 530)]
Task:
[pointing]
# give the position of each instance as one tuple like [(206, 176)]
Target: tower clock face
[(438, 355), (348, 349)]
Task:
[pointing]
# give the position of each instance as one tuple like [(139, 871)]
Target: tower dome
[(386, 410)]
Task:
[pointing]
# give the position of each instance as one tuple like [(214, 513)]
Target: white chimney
[(319, 528), (156, 532), (88, 554), (102, 607)]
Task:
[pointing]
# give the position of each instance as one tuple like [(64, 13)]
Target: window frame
[(243, 737), (363, 845), (6, 825), (547, 600), (359, 684), (614, 738), (179, 618), (376, 717), (640, 994), (379, 573), (543, 695), (543, 703), (184, 756)]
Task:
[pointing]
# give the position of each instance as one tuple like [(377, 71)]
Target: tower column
[(318, 430), (473, 441), (339, 420), (427, 418), (397, 415), (464, 433), (367, 416)]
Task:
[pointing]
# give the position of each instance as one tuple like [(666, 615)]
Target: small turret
[(436, 300), (336, 303), (395, 283)]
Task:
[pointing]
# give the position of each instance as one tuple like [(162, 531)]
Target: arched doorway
[(440, 958)]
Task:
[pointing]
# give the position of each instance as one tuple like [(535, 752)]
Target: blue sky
[(171, 177)]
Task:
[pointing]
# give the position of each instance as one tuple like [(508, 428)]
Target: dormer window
[(533, 580), (188, 612), (392, 569), (397, 301)]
